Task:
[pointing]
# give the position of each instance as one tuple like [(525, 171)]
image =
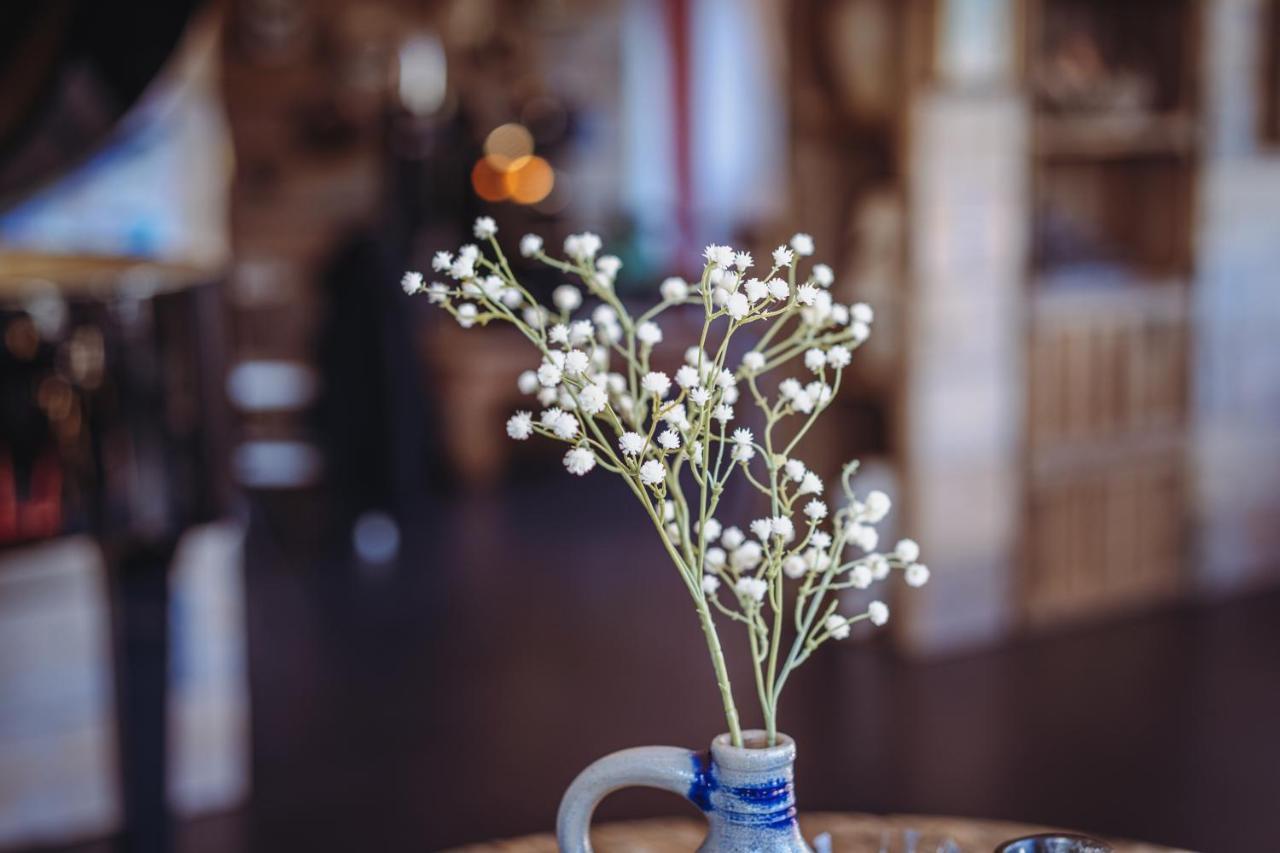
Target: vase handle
[(667, 767)]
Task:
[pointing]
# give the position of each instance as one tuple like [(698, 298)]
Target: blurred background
[(272, 577)]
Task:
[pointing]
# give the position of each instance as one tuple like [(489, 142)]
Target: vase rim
[(753, 755)]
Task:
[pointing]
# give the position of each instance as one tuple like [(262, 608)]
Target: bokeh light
[(489, 183), (506, 144), (529, 180)]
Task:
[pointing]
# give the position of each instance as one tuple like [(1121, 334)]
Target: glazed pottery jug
[(746, 792)]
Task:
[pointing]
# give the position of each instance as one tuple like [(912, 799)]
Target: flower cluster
[(675, 440)]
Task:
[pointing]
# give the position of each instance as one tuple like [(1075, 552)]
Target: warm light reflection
[(506, 144), (488, 182), (529, 180)]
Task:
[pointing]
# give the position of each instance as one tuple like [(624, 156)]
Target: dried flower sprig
[(671, 439)]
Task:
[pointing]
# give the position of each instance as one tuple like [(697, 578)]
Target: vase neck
[(749, 797)]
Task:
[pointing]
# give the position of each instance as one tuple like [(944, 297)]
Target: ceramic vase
[(747, 793)]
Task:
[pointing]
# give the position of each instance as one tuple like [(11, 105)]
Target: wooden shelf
[(1114, 136)]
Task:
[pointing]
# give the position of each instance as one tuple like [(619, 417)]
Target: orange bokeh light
[(529, 180), (489, 183)]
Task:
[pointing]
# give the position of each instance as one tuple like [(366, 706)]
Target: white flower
[(566, 297), (839, 357), (581, 332), (743, 453), (463, 267), (576, 362), (520, 426), (699, 396), (746, 556), (753, 589), (803, 244), (441, 261), (783, 528), (742, 260), (782, 257), (723, 413), (710, 584), (609, 265), (530, 245), (485, 227), (839, 314), (815, 359), (466, 315), (652, 473), (579, 460), (876, 507), (527, 383), (738, 306), (823, 275), (862, 312), (762, 528), (810, 485), (631, 443), (547, 396), (695, 356), (720, 256), (549, 375), (859, 331), (907, 550), (592, 398), (714, 558), (742, 435), (816, 510), (535, 315), (820, 539), (794, 567), (565, 426), (795, 469), (649, 333), (674, 289), (860, 576), (756, 290), (753, 361), (864, 537), (732, 538), (438, 294), (411, 282), (807, 294), (917, 574), (726, 379), (878, 612), (710, 532), (604, 314), (656, 383), (582, 247), (802, 402), (837, 626), (669, 439), (878, 566), (558, 334), (779, 289)]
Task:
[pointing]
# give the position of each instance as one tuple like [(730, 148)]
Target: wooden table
[(849, 832)]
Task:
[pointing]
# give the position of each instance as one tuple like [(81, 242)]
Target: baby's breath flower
[(438, 294), (710, 532), (726, 379), (803, 244), (732, 537), (876, 507), (917, 574), (520, 426), (839, 314), (720, 256), (565, 426), (878, 566), (794, 469), (837, 626), (822, 275), (860, 576), (652, 473), (751, 589), (742, 260), (527, 382), (699, 396), (756, 290), (485, 227), (743, 453), (535, 316), (778, 288), (742, 435), (566, 297), (859, 331), (795, 567), (907, 550), (609, 265), (816, 510), (820, 539), (411, 282), (723, 413), (674, 289), (783, 528), (811, 484), (582, 247), (549, 375), (656, 383), (466, 315), (547, 396), (579, 460), (576, 362), (878, 613), (815, 359), (695, 356), (715, 558), (862, 312), (558, 334), (649, 333), (807, 294), (669, 439), (864, 537), (631, 443), (746, 557), (782, 257), (530, 245), (592, 399), (753, 361), (737, 306), (762, 528), (710, 584), (581, 332), (839, 357)]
